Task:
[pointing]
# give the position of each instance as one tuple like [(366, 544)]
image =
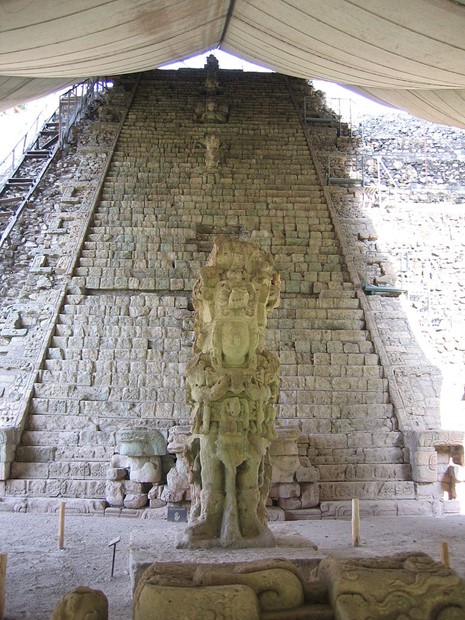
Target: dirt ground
[(39, 574)]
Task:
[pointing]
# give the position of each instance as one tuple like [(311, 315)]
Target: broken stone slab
[(48, 505), (40, 265), (405, 585), (82, 602)]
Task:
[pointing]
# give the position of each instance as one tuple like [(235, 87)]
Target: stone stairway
[(120, 348)]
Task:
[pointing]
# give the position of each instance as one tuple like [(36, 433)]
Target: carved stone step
[(321, 444), (45, 454), (358, 455), (383, 489), (364, 472), (85, 437), (68, 470), (148, 413), (55, 422), (107, 354), (350, 425), (92, 489)]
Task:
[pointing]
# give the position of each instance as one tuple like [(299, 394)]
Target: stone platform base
[(159, 546)]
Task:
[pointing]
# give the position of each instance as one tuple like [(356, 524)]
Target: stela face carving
[(232, 387)]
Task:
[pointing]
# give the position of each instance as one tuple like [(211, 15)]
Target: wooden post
[(356, 522), (445, 559), (3, 558), (61, 526)]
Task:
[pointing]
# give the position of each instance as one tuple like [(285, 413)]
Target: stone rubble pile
[(414, 242), (426, 161)]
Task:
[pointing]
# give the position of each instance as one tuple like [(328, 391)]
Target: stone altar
[(232, 386)]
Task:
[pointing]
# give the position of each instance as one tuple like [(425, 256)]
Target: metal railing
[(72, 106), (9, 164), (384, 184), (345, 169), (75, 102)]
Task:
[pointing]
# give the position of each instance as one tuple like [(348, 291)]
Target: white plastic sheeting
[(409, 53)]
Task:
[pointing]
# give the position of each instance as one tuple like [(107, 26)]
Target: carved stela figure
[(232, 386)]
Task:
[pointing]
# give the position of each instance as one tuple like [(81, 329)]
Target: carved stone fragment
[(82, 604), (211, 111), (406, 585), (235, 602)]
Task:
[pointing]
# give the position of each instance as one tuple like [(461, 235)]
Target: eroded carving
[(82, 604), (212, 145), (135, 468), (211, 111), (406, 585), (212, 84), (232, 387)]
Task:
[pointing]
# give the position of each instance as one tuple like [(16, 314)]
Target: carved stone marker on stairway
[(232, 386)]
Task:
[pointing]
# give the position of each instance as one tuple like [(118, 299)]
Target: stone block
[(135, 501), (306, 472), (153, 602), (284, 468), (116, 473), (275, 513), (286, 490), (424, 464), (310, 494), (291, 503)]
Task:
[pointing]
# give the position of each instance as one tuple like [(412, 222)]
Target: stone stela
[(232, 387)]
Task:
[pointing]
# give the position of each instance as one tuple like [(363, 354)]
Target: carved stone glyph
[(232, 386), (403, 586)]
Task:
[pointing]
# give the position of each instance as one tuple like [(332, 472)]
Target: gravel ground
[(39, 574)]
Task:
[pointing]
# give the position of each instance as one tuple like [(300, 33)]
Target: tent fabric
[(410, 54)]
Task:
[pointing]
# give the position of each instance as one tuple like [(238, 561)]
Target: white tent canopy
[(408, 53)]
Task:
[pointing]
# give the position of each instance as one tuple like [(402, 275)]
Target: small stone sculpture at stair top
[(233, 384), (211, 82)]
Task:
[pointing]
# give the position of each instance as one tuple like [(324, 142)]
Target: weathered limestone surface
[(231, 601), (401, 586), (39, 258), (233, 384), (406, 585), (81, 604), (138, 465), (124, 332), (417, 389)]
